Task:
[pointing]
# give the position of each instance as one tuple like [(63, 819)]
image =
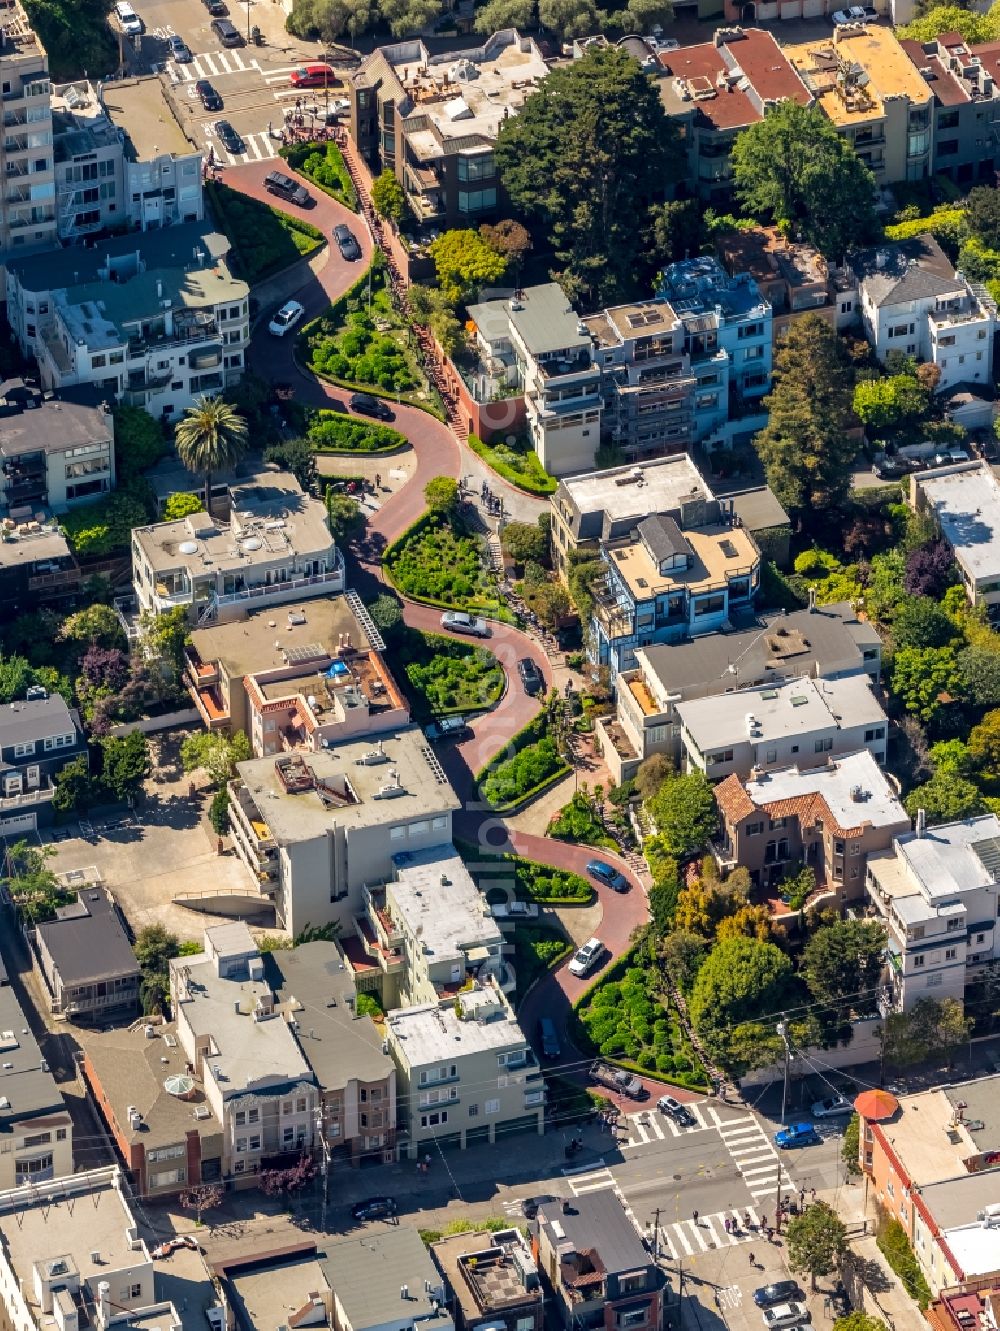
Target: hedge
[(529, 737), (447, 677), (532, 880), (492, 608), (504, 460), (895, 1248), (945, 222), (329, 172), (333, 432), (264, 240)]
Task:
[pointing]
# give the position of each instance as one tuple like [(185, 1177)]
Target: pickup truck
[(515, 910), (617, 1079)]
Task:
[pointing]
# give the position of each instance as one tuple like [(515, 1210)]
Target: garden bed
[(324, 166), (623, 1021), (447, 677), (577, 823), (529, 880), (537, 949), (438, 563), (529, 764), (104, 527), (264, 240), (517, 463), (333, 432)]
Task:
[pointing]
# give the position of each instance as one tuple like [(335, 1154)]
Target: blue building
[(727, 331)]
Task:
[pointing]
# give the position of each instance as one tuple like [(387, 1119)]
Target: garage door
[(18, 824)]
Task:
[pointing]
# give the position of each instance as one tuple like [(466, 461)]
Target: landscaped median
[(517, 463), (499, 874), (527, 765), (437, 562), (323, 165), (447, 677), (265, 241), (333, 432), (621, 1019)]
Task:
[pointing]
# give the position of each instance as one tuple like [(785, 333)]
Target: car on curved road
[(346, 242), (586, 957), (783, 1291), (449, 727), (457, 621), (367, 405), (608, 875), (283, 320), (798, 1134), (531, 676)]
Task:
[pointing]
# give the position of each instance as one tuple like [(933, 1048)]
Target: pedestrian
[(728, 1225), (763, 1221), (378, 481), (694, 1215), (753, 1260), (812, 1194)]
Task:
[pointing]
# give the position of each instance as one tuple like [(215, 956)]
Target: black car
[(210, 99), (531, 676), (374, 1208), (276, 182), (346, 243), (785, 1291), (216, 8), (530, 1205), (366, 405), (228, 137), (227, 32)]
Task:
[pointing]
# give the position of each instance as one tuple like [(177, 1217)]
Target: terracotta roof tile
[(733, 800)]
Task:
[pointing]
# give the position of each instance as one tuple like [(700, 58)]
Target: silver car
[(457, 621)]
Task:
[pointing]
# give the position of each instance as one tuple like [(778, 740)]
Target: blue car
[(799, 1134), (607, 875)]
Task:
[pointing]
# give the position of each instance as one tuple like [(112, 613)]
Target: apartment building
[(466, 1072), (729, 340), (829, 818), (39, 735), (871, 91), (314, 829), (87, 961), (53, 453), (36, 1130), (384, 1281), (493, 1279), (951, 495), (718, 88), (275, 548), (431, 927), (911, 300), (433, 119), (956, 1310), (936, 891), (792, 276), (931, 1160), (28, 212), (824, 642), (675, 576), (121, 160), (153, 319), (255, 1077), (37, 566), (599, 1268), (799, 723), (321, 681), (963, 81)]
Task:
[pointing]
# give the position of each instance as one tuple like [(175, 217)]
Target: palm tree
[(211, 437)]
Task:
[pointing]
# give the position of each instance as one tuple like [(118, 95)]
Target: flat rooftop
[(700, 288), (854, 789), (546, 321), (270, 1295), (954, 1204), (768, 256), (50, 425), (407, 759), (871, 49), (625, 493), (26, 1089), (33, 543), (367, 1274), (719, 552), (953, 858), (435, 897), (140, 109), (479, 1268), (796, 707), (274, 639), (967, 506), (21, 39), (617, 325), (432, 1034), (934, 1140)]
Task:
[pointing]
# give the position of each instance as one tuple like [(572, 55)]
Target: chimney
[(921, 827)]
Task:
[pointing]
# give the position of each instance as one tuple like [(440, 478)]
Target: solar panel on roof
[(988, 852), (310, 651)]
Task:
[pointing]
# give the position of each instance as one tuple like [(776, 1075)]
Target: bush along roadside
[(519, 465), (529, 764), (323, 164), (434, 563), (265, 241), (333, 432), (531, 881)]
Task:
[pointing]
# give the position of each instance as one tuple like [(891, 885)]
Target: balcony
[(27, 799), (211, 706), (390, 960), (334, 579), (388, 932)]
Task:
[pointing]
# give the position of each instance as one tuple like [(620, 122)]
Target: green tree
[(805, 448), (569, 18), (211, 436), (979, 668), (816, 1239), (408, 17), (795, 169), (525, 541), (139, 442), (94, 624), (684, 812), (75, 789), (651, 774), (464, 262), (644, 15), (182, 505), (343, 515), (982, 215), (842, 961), (31, 884), (165, 636), (127, 764), (296, 456), (984, 746), (678, 229), (920, 622), (154, 948), (741, 982), (389, 197), (429, 307), (441, 496), (386, 613), (952, 757), (933, 1028), (850, 1152), (16, 677), (587, 159), (216, 754), (973, 26), (890, 404), (946, 798), (218, 811), (496, 15), (922, 677)]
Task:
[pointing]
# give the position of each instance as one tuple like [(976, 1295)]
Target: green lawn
[(446, 676), (537, 948), (264, 240), (333, 432), (442, 564), (517, 463)]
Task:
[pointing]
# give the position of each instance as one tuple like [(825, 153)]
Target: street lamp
[(782, 1029)]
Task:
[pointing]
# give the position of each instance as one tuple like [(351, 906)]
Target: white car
[(586, 957), (285, 318), (786, 1315), (459, 622), (856, 14), (515, 910), (832, 1107)]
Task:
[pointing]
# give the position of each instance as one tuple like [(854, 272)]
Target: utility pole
[(656, 1235), (782, 1029), (326, 1168)]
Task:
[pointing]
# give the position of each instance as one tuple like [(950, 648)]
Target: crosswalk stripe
[(697, 1114), (744, 1130), (737, 1151), (682, 1238), (749, 1167)]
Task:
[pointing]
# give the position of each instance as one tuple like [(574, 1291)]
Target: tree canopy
[(215, 753), (464, 262), (587, 159), (973, 26), (793, 168), (684, 812), (740, 982), (842, 963), (891, 403), (816, 1238), (932, 1028)]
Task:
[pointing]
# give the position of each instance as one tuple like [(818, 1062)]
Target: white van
[(131, 23)]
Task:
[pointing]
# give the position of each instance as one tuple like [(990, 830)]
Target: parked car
[(608, 875), (586, 957), (286, 318), (459, 622), (374, 1208), (784, 1315), (949, 457), (340, 106), (179, 50), (208, 96), (782, 1291), (548, 1038), (276, 182), (515, 910), (531, 676), (217, 8), (832, 1107), (799, 1134), (449, 727), (617, 1079), (229, 139), (227, 32), (853, 15), (675, 1110), (130, 21), (346, 242), (891, 468), (366, 405)]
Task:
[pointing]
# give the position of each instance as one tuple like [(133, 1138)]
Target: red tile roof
[(733, 800), (736, 804), (946, 88), (728, 108), (771, 74), (757, 55)]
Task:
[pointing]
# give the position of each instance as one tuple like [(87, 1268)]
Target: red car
[(314, 76)]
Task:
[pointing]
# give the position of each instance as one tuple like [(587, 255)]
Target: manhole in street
[(677, 1178)]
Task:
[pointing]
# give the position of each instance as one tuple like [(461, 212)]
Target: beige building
[(494, 1279), (36, 1130), (466, 1071), (28, 212)]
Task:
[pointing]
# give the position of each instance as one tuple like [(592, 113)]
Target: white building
[(936, 889), (53, 454), (797, 723), (964, 500), (466, 1071), (255, 1077), (154, 319), (913, 301), (28, 204), (36, 1130), (275, 548)]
